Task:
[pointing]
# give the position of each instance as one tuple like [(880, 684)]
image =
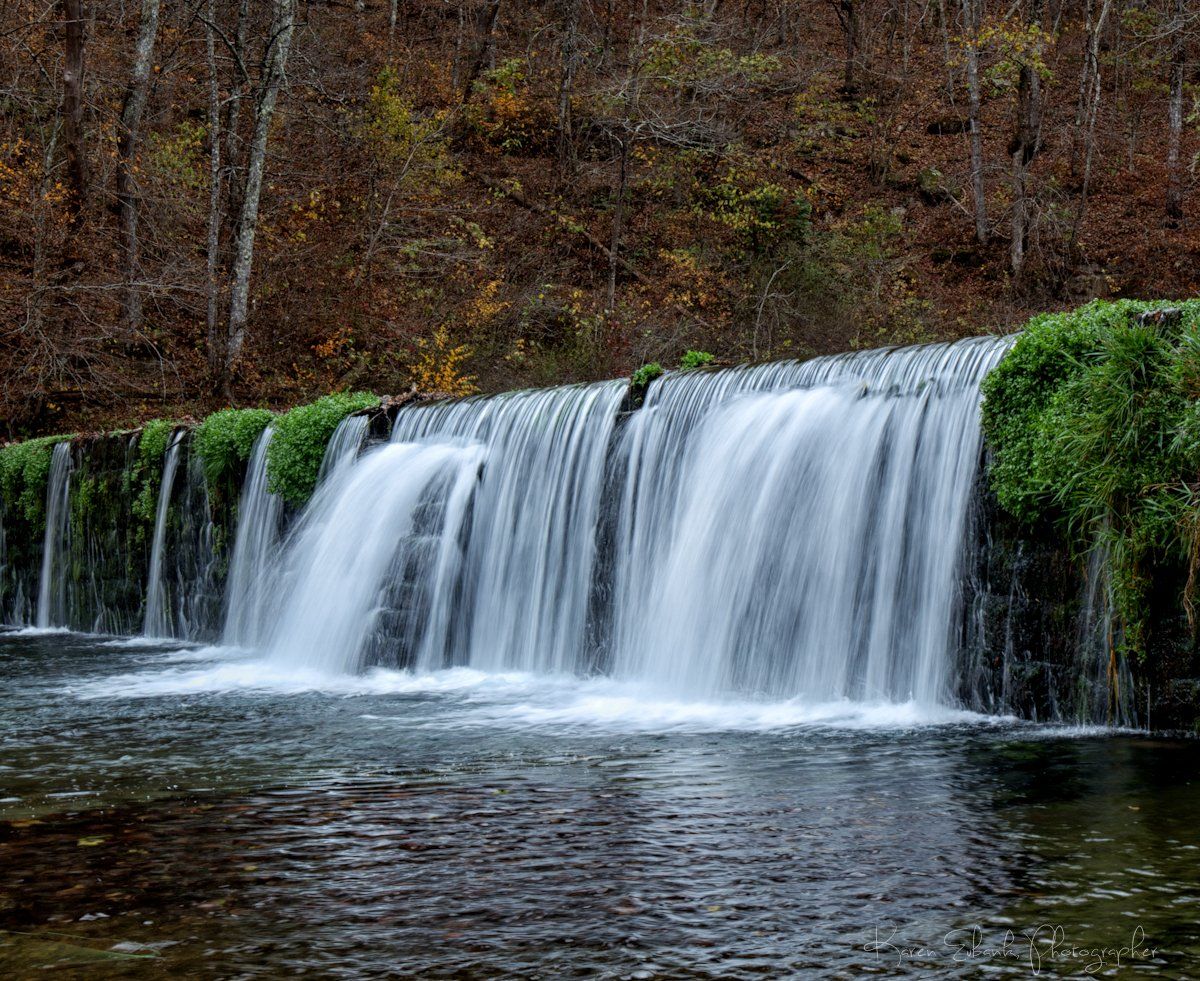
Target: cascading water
[(343, 445), (361, 530), (51, 605), (255, 551), (791, 530), (158, 621), (531, 539), (796, 530), (788, 530)]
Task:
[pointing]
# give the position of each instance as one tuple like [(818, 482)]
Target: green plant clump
[(24, 470), (695, 359), (148, 468), (646, 374), (225, 440), (1094, 427), (294, 457)]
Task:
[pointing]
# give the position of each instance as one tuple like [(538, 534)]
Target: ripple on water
[(193, 804)]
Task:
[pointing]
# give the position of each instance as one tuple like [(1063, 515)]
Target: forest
[(226, 202)]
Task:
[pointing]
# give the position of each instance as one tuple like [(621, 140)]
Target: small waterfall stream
[(52, 591), (354, 542), (260, 523), (343, 445), (158, 620), (531, 540)]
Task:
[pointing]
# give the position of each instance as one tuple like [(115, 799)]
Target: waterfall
[(158, 620), (344, 444), (51, 605), (531, 538), (362, 530), (779, 531), (255, 548), (792, 530), (797, 530)]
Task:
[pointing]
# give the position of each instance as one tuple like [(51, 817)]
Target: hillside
[(218, 203)]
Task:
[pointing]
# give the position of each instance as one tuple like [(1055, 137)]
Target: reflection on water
[(181, 811)]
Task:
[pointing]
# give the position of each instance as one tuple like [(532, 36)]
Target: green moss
[(24, 470), (294, 457), (695, 359), (1093, 426), (148, 468), (225, 440), (646, 374), (152, 444), (84, 493)]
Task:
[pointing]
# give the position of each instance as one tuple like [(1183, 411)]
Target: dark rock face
[(108, 547), (1038, 643), (108, 544)]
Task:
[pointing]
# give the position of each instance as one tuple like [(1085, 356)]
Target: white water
[(797, 530), (782, 533), (52, 592), (787, 535), (343, 445), (157, 622), (361, 530), (255, 551), (531, 542), (466, 698)]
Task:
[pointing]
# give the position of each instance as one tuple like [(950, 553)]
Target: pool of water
[(168, 811)]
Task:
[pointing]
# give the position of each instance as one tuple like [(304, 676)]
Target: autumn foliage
[(209, 202)]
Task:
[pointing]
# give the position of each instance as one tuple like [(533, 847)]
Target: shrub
[(24, 470), (1092, 423), (294, 457), (225, 440), (695, 359), (646, 374)]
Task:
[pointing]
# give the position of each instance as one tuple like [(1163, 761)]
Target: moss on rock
[(225, 440), (1093, 426), (294, 457)]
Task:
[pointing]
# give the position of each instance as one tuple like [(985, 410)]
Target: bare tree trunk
[(275, 64), (606, 38), (128, 135), (73, 21), (848, 18), (212, 288), (1024, 145), (614, 249), (482, 52), (971, 27), (566, 85), (233, 154), (1089, 95), (1175, 116)]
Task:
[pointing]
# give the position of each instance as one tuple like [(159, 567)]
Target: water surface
[(170, 811)]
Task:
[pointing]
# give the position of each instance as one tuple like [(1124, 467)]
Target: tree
[(972, 14), (236, 180), (274, 66), (128, 135), (1027, 134), (1175, 111), (1088, 105), (72, 105)]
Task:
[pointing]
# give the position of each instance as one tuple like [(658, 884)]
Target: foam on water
[(466, 697)]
